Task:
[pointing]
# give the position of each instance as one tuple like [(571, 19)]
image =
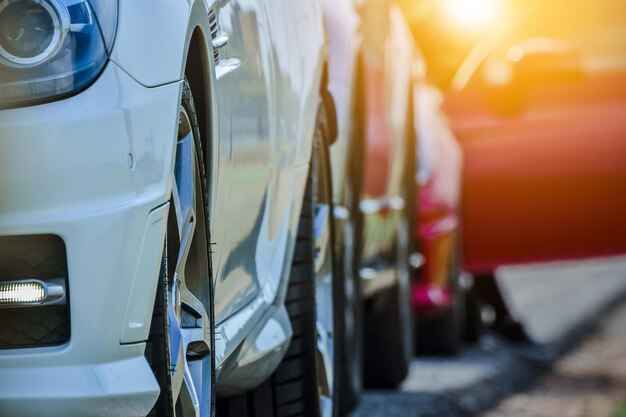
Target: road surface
[(557, 302)]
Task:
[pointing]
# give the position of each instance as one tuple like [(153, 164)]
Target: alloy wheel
[(188, 288)]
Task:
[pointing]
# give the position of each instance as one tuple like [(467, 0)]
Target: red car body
[(548, 184), (545, 150)]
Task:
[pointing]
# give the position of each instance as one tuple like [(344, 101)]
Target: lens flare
[(472, 14)]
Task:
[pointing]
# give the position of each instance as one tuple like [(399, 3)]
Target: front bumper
[(94, 170)]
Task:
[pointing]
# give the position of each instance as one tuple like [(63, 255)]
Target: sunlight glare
[(472, 14)]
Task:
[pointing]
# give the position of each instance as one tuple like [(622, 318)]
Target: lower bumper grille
[(34, 327), (41, 257)]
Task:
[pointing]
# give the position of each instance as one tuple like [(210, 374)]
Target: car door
[(542, 120), (266, 101), (387, 63), (243, 87)]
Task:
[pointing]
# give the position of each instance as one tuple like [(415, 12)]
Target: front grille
[(41, 257)]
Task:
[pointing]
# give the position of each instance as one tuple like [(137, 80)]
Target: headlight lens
[(30, 32), (50, 48)]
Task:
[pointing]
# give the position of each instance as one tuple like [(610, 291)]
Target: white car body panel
[(399, 59), (151, 40), (374, 35), (100, 208), (268, 94), (342, 26)]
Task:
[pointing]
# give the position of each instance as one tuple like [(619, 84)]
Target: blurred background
[(447, 30), (535, 93)]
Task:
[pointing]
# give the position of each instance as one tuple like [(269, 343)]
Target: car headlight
[(52, 48)]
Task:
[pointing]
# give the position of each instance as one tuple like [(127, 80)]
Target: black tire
[(442, 335), (350, 347), (388, 326), (474, 327), (292, 391), (157, 350), (503, 323), (386, 359), (388, 334)]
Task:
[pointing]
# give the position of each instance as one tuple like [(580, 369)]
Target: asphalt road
[(558, 303)]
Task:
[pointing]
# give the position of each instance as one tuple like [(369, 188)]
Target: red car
[(541, 115)]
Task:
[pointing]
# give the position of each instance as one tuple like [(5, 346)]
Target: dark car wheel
[(350, 353), (304, 385), (474, 327), (442, 335), (388, 325)]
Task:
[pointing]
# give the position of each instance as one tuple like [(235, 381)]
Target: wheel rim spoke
[(321, 233), (175, 341), (188, 397), (184, 174)]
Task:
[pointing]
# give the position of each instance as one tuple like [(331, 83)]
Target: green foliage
[(621, 411)]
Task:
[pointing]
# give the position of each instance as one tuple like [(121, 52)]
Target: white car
[(130, 131)]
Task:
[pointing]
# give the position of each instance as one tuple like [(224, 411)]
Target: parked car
[(370, 78), (438, 284), (541, 113), (346, 153), (165, 209)]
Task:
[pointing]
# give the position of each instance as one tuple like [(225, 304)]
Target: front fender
[(152, 38)]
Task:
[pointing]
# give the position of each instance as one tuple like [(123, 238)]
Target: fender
[(154, 55)]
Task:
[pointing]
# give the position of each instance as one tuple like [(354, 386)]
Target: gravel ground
[(588, 382), (559, 303)]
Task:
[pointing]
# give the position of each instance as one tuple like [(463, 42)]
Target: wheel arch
[(329, 104), (199, 70), (357, 140)]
